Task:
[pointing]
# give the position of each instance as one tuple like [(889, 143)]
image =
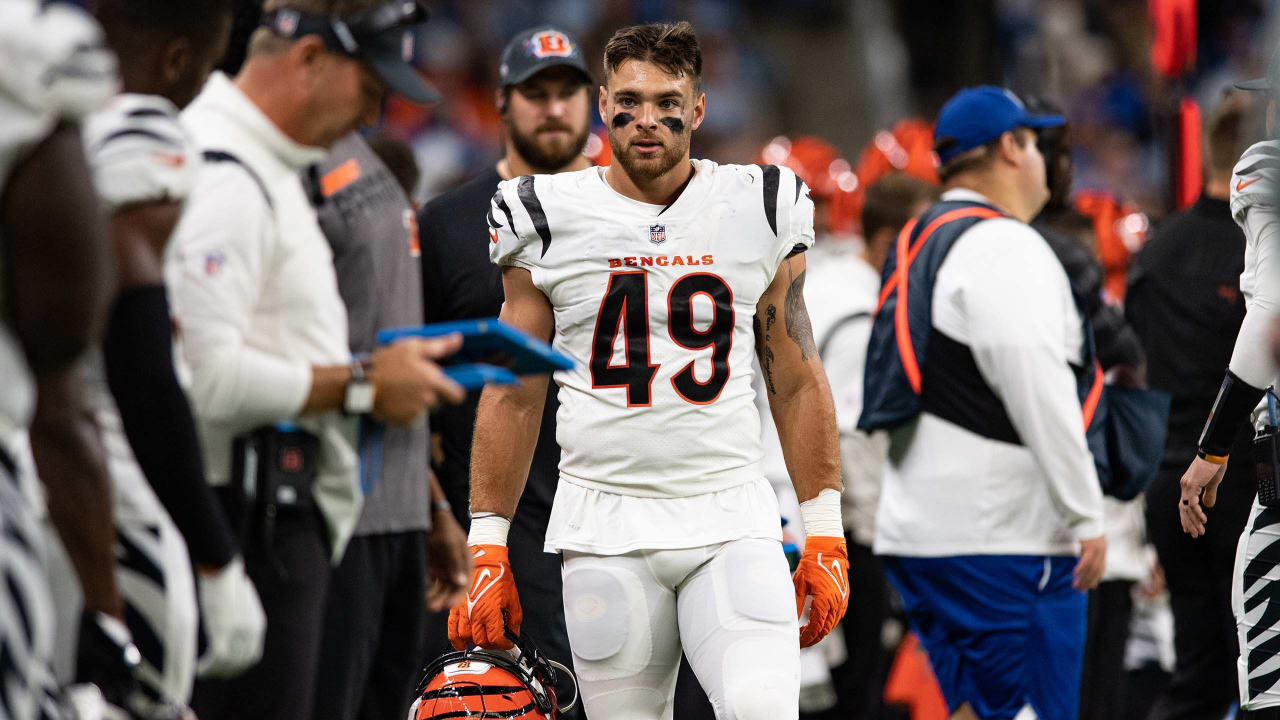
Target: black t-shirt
[(1184, 301), (460, 282)]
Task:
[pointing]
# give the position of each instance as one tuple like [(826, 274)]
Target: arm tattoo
[(764, 352), (797, 315)]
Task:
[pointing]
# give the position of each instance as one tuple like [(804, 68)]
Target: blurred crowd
[(844, 94)]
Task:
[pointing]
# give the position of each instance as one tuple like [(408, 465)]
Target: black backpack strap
[(222, 156)]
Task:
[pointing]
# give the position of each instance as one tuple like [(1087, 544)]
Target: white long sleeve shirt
[(948, 491), (1254, 187), (256, 296)]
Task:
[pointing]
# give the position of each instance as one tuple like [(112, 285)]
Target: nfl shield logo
[(657, 234)]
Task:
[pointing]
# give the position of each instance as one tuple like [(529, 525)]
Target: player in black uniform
[(545, 100)]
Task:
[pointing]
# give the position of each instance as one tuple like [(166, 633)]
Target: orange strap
[(906, 256), (1095, 394)]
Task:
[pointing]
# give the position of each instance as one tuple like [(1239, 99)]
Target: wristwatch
[(358, 396)]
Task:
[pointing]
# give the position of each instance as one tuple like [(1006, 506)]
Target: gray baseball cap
[(537, 49)]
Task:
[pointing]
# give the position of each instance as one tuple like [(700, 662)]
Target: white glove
[(234, 623)]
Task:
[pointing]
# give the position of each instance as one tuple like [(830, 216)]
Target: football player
[(1255, 194), (659, 274), (142, 167), (55, 264)]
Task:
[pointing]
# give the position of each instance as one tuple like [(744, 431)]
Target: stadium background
[(843, 70)]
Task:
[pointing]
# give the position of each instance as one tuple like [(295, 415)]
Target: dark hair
[(977, 158), (179, 17), (671, 46), (398, 157), (1225, 132), (891, 201)]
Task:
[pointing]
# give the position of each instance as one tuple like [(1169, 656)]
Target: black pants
[(1199, 573), (374, 622), (1103, 682), (292, 579)]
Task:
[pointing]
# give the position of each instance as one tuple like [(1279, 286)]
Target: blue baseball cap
[(975, 116)]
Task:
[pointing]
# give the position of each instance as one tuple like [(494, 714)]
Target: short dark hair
[(398, 157), (180, 17), (978, 158), (1226, 132), (672, 46), (891, 201)]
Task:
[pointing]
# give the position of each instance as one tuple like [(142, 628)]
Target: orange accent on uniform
[(170, 159), (493, 236), (340, 177), (889, 286), (959, 214), (1242, 184), (1095, 394)]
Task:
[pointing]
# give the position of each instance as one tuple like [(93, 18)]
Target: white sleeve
[(1252, 360), (138, 152), (508, 244), (1017, 302), (793, 215), (221, 259)]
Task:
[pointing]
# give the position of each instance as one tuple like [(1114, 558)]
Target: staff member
[(264, 326), (545, 102), (1255, 192), (990, 490), (375, 617), (1184, 301)]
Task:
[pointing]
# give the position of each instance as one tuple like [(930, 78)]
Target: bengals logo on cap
[(550, 44)]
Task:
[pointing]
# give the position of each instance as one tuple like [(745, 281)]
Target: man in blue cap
[(990, 521)]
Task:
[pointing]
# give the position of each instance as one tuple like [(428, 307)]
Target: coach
[(981, 367), (264, 326)]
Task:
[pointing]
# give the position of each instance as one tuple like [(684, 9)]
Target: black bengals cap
[(382, 37), (537, 49)]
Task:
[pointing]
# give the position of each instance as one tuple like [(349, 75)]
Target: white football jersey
[(655, 305), (138, 152)]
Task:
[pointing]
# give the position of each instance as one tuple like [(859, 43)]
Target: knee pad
[(761, 677), (764, 696), (607, 618)]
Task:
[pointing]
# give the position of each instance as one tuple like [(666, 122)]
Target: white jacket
[(256, 296), (948, 491)]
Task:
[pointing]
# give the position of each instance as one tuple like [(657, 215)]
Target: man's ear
[(174, 59), (1011, 146), (603, 106), (699, 111), (309, 53)]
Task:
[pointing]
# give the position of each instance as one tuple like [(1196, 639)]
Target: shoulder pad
[(1256, 179), (55, 59), (138, 151), (518, 230)]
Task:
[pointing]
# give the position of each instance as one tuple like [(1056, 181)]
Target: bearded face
[(548, 118), (651, 115)]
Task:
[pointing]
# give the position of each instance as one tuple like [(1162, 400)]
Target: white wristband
[(488, 529), (821, 515)]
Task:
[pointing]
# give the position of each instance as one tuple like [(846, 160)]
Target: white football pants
[(731, 607)]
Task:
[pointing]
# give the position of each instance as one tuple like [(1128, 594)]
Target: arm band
[(1236, 399), (138, 349)]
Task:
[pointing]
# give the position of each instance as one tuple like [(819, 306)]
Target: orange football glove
[(479, 618), (823, 573)]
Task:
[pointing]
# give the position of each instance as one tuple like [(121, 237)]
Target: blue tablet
[(491, 342), (473, 376)]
